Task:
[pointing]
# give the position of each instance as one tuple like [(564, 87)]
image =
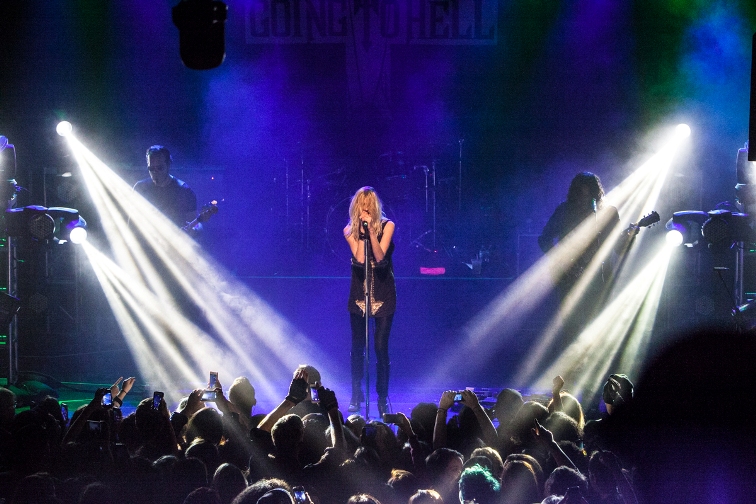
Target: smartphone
[(212, 383), (314, 395), (458, 397), (107, 399), (300, 495), (64, 412), (157, 397), (209, 396), (391, 418), (94, 426)]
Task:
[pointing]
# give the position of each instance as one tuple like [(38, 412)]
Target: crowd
[(680, 433)]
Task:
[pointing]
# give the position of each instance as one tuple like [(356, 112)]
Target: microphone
[(364, 225)]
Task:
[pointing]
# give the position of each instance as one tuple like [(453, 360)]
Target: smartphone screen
[(64, 412), (107, 399), (300, 495), (156, 398), (213, 382), (314, 395), (208, 396)]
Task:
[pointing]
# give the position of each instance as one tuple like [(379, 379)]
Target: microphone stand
[(367, 322)]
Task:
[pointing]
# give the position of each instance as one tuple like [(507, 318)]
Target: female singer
[(367, 222)]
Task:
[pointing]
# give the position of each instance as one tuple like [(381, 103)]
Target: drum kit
[(421, 193)]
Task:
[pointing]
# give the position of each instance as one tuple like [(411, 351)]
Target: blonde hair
[(365, 196)]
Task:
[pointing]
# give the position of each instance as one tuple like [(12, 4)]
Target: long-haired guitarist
[(587, 214)]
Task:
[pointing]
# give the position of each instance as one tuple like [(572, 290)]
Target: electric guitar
[(204, 215), (575, 271)]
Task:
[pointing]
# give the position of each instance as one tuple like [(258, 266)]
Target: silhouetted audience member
[(563, 478), (229, 481), (443, 468), (519, 483), (693, 434), (611, 431)]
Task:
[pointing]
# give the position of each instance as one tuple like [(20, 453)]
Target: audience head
[(242, 394), (288, 434), (229, 481), (563, 478), (618, 391), (477, 484), (276, 496), (444, 466), (363, 499), (508, 403), (207, 424), (252, 493), (426, 496), (519, 483)]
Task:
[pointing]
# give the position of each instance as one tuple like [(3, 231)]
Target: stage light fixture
[(687, 224), (723, 228), (682, 130), (674, 237), (41, 224), (201, 32), (64, 128)]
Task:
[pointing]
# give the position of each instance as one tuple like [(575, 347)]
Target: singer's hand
[(366, 218)]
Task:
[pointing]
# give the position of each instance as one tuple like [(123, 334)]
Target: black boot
[(381, 386)]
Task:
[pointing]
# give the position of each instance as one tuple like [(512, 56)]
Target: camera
[(107, 399), (157, 398), (300, 495), (391, 418), (458, 397)]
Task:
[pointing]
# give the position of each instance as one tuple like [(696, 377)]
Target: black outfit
[(562, 222), (174, 200), (382, 308)]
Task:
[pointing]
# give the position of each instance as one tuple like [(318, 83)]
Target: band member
[(173, 197), (367, 222), (585, 209)]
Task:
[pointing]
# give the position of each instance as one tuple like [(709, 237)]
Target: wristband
[(117, 400)]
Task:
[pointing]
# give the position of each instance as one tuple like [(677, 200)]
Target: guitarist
[(173, 197), (585, 211)]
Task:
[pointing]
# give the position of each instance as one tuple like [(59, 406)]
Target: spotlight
[(674, 237), (78, 235), (682, 131), (685, 227), (64, 128)]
